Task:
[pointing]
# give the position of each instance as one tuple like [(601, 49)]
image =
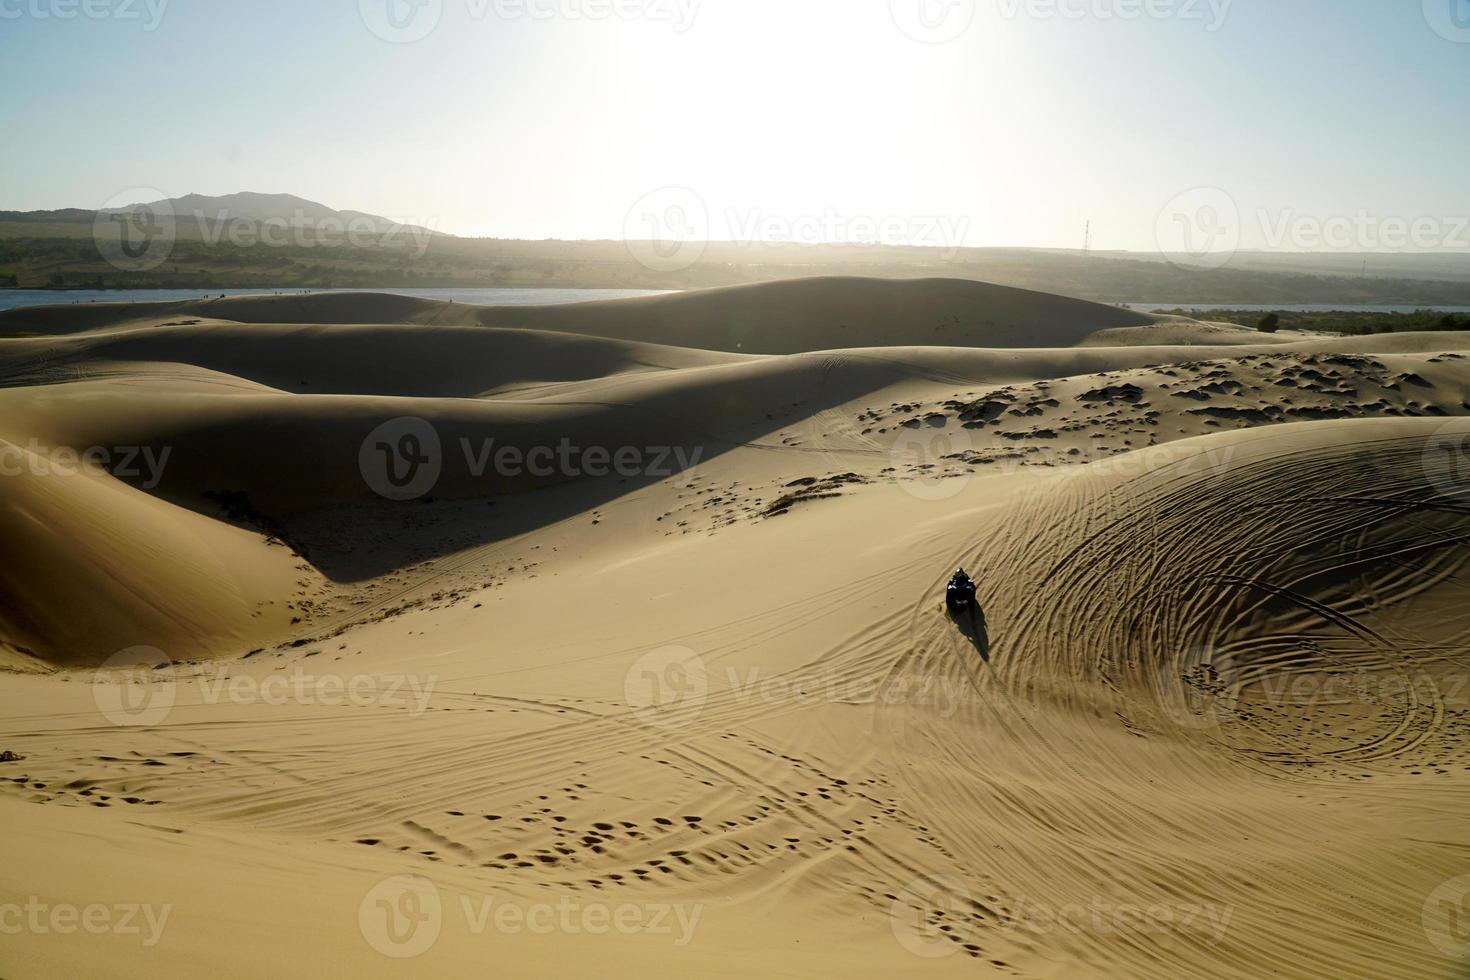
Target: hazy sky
[(1002, 122)]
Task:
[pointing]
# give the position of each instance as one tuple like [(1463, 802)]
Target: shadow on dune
[(355, 544), (302, 467), (972, 626), (780, 317)]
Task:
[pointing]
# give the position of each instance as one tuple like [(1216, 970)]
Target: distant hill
[(246, 206), (217, 243), (250, 206)]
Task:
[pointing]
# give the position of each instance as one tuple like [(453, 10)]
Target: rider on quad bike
[(960, 596)]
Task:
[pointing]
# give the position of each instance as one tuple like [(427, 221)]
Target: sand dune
[(1212, 725), (96, 567), (829, 313), (768, 318)]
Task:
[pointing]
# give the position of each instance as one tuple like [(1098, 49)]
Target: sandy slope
[(828, 313), (767, 318), (1215, 725)]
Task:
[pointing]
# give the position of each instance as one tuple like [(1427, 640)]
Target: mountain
[(246, 206), (259, 208)]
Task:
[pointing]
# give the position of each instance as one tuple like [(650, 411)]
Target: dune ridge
[(782, 317), (1211, 724)]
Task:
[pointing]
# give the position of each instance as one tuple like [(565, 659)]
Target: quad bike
[(964, 609), (960, 596)]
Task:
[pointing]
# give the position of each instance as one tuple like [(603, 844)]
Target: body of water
[(1295, 307), (11, 299), (16, 298)]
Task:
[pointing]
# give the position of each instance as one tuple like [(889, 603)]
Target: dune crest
[(683, 647)]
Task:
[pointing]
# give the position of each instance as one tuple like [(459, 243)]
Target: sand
[(706, 715)]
